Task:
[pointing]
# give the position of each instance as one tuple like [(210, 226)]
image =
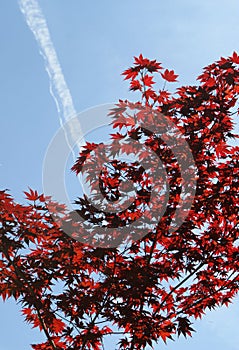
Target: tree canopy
[(139, 285)]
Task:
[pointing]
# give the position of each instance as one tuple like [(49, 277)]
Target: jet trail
[(58, 87)]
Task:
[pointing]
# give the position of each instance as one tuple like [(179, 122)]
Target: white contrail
[(58, 87)]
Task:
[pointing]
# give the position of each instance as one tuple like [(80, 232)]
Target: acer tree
[(141, 287)]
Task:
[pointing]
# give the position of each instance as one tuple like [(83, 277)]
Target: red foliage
[(160, 283), (169, 75)]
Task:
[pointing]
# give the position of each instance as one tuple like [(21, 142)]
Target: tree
[(158, 283)]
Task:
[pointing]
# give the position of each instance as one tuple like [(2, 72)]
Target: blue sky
[(95, 42)]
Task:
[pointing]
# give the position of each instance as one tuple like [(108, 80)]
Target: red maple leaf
[(235, 58), (141, 61), (135, 85), (31, 195), (169, 75), (131, 73), (148, 81)]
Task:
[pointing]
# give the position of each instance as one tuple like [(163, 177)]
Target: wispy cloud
[(58, 87)]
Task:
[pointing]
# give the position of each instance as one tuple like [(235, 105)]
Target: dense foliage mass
[(158, 283)]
